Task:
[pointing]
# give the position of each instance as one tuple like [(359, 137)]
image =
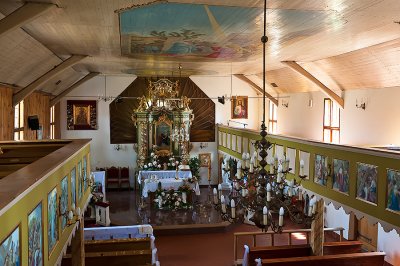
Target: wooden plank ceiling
[(346, 44)]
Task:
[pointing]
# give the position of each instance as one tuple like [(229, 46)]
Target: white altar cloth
[(143, 175), (167, 183)]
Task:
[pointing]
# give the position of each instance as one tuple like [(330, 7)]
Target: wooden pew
[(278, 252), (344, 247), (355, 259), (129, 251), (330, 248)]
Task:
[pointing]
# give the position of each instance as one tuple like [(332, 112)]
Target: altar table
[(166, 183), (143, 175)]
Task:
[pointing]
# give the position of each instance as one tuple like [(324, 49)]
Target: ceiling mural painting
[(189, 31), (184, 32)]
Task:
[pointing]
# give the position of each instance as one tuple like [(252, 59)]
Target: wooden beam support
[(57, 98), (299, 69), (23, 15), (22, 94), (256, 87)]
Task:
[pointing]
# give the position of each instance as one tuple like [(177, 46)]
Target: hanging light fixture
[(256, 195)]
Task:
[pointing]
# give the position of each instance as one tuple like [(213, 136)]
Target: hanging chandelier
[(258, 196)]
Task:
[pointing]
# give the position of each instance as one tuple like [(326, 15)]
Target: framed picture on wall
[(367, 176), (81, 115), (11, 249), (205, 159), (35, 236), (393, 190), (239, 107)]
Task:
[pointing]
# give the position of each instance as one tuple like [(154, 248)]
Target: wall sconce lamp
[(203, 145), (285, 103), (362, 104)]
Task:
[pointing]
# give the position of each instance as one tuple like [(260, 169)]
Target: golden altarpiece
[(163, 122)]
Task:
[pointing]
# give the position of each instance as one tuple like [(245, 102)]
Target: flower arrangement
[(172, 199), (194, 164), (173, 163), (153, 163)]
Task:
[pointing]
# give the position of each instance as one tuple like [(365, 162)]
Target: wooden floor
[(193, 237)]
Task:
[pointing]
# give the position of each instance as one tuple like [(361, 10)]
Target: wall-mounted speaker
[(33, 122)]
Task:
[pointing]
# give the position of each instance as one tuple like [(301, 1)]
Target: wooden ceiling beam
[(256, 87), (22, 94), (23, 15), (331, 94), (57, 98)]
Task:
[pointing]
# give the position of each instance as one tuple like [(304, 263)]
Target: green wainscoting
[(382, 159), (15, 213)]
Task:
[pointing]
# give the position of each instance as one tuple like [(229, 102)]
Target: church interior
[(158, 132)]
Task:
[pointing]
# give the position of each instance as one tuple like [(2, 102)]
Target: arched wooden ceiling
[(346, 44)]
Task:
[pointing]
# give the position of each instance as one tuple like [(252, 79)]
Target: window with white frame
[(19, 121), (272, 121), (52, 122), (331, 131)]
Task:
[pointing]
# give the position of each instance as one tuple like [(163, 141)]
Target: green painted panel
[(336, 152)]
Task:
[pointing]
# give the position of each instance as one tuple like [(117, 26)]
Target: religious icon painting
[(73, 186), (10, 251), (81, 115), (205, 159), (35, 236), (84, 173), (320, 169), (79, 180), (393, 190), (367, 176), (341, 175), (64, 202), (52, 220), (239, 107)]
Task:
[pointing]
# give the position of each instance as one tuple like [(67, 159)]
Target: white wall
[(337, 218), (103, 153), (377, 124), (389, 243)]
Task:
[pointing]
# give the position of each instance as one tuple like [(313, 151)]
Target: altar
[(151, 185), (143, 175)]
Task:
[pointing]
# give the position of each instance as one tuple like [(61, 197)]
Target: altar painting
[(320, 169), (35, 237)]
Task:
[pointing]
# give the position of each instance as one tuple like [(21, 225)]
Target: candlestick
[(265, 215), (215, 196), (223, 204), (281, 213), (268, 192), (251, 170), (233, 209), (219, 190)]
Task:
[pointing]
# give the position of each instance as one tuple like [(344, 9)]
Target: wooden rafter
[(22, 94), (57, 98), (23, 15), (299, 69), (256, 87)]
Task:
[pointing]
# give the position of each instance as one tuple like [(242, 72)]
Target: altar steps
[(114, 252)]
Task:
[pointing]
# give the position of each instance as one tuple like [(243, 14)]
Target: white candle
[(219, 190), (251, 170), (255, 158), (281, 213), (265, 215), (223, 204), (268, 192), (290, 188), (300, 194), (159, 202), (184, 197), (78, 212), (239, 173), (215, 196), (233, 209)]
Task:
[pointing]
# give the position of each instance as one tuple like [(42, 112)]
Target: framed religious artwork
[(341, 170), (239, 107), (11, 249), (81, 115), (52, 220), (367, 177), (205, 159), (35, 236), (393, 190)]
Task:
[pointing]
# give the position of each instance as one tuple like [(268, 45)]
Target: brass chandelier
[(259, 196)]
